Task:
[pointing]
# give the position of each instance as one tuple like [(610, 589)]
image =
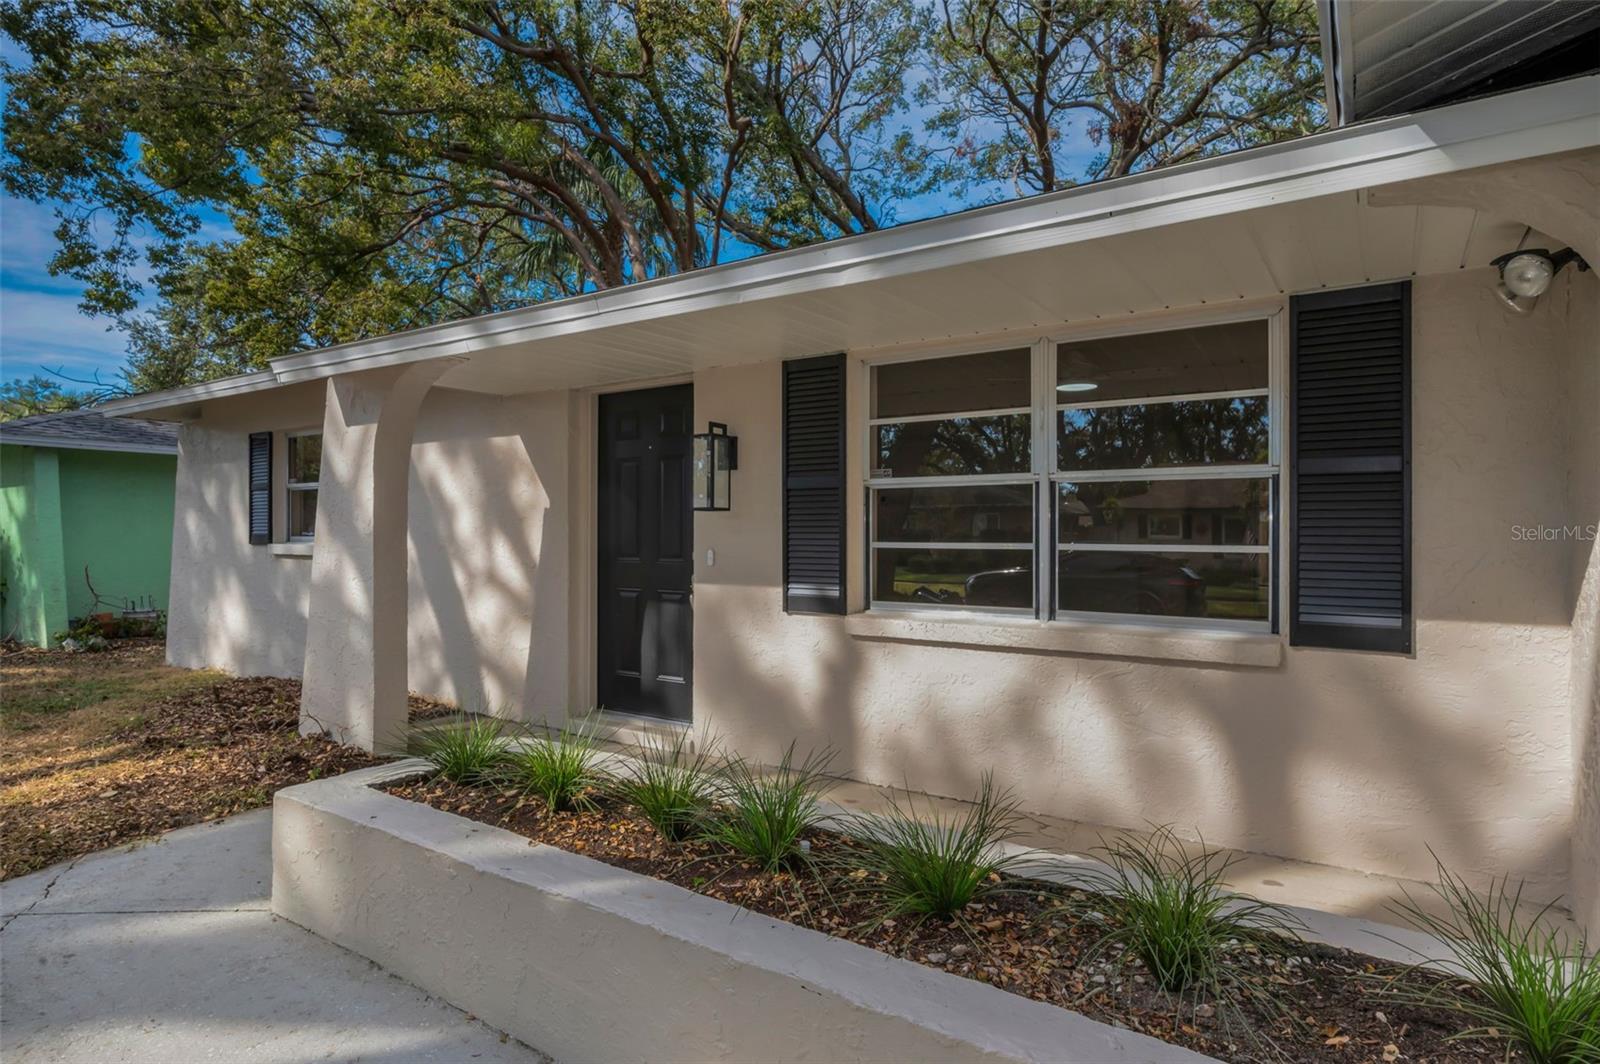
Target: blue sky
[(42, 331), (41, 327)]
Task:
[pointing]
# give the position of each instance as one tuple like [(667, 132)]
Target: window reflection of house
[(1217, 512)]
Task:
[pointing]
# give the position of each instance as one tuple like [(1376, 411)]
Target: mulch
[(1310, 1003), (206, 753)]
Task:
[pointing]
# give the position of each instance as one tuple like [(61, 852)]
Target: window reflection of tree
[(958, 447), (1195, 432)]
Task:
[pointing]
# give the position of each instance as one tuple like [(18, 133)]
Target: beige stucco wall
[(487, 509), (1358, 760), (1579, 297), (234, 606), (489, 580)]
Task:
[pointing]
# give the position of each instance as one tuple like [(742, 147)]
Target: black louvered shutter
[(813, 485), (1350, 457), (261, 487)]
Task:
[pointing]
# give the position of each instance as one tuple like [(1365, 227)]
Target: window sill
[(296, 549), (1070, 637)]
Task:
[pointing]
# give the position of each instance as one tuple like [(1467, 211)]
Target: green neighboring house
[(80, 490)]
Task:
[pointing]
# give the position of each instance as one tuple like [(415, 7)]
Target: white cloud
[(45, 330)]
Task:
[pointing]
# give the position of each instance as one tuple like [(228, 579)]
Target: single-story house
[(1249, 496), (85, 519)]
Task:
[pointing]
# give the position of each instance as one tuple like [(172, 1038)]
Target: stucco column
[(354, 685), (48, 614)]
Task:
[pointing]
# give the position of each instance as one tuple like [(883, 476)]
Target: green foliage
[(1524, 981), (930, 864), (392, 165), (86, 633), (386, 166), (1151, 83), (27, 396), (464, 749), (672, 782), (763, 814), (1168, 906), (561, 769)]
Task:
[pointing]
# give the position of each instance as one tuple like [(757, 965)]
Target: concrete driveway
[(168, 951)]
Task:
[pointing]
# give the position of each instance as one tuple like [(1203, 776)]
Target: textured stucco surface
[(591, 962), (488, 540), (235, 606), (1579, 296), (1356, 760), (35, 605)]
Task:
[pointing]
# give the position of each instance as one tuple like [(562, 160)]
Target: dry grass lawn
[(102, 749)]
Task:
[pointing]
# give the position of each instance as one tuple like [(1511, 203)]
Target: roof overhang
[(1390, 57), (1285, 217), (66, 443)]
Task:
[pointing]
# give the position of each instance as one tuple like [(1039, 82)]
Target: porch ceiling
[(1329, 242), (1283, 218)]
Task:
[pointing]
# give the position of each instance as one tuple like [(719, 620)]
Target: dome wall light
[(1525, 275)]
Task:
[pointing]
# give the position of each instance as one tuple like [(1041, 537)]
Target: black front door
[(646, 552)]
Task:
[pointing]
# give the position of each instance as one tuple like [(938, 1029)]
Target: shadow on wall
[(1365, 781), (487, 614), (1356, 760), (233, 605)]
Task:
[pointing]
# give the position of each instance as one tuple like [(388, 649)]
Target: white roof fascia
[(58, 443), (1552, 118), (1547, 119), (221, 388)]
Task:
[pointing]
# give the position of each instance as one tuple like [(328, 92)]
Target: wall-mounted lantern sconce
[(716, 455), (1525, 275)]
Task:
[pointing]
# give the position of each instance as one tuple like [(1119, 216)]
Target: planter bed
[(1335, 1009), (1011, 942)]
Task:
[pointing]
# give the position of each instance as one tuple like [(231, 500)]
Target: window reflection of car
[(1000, 587), (1102, 581), (1112, 582)]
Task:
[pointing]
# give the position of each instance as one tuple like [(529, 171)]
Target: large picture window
[(1157, 466)]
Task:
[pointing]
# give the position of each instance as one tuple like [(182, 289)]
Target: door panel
[(646, 552)]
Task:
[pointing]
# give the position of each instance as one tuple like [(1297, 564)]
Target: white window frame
[(1046, 478), (1029, 478), (290, 485)]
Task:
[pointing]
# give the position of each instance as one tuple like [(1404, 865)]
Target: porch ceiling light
[(1526, 275), (1077, 386), (716, 455)]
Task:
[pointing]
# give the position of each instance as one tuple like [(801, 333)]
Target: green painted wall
[(61, 510)]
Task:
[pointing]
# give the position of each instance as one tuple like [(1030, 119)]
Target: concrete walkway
[(168, 951)]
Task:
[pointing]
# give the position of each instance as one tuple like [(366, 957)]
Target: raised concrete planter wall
[(590, 962)]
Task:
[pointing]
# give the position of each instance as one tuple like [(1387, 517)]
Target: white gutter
[(63, 443), (1338, 76), (1559, 117)]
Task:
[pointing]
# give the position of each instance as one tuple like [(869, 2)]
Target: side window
[(304, 471)]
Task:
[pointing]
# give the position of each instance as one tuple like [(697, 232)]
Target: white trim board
[(1543, 120)]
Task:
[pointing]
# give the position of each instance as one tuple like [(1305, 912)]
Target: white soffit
[(1282, 218)]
